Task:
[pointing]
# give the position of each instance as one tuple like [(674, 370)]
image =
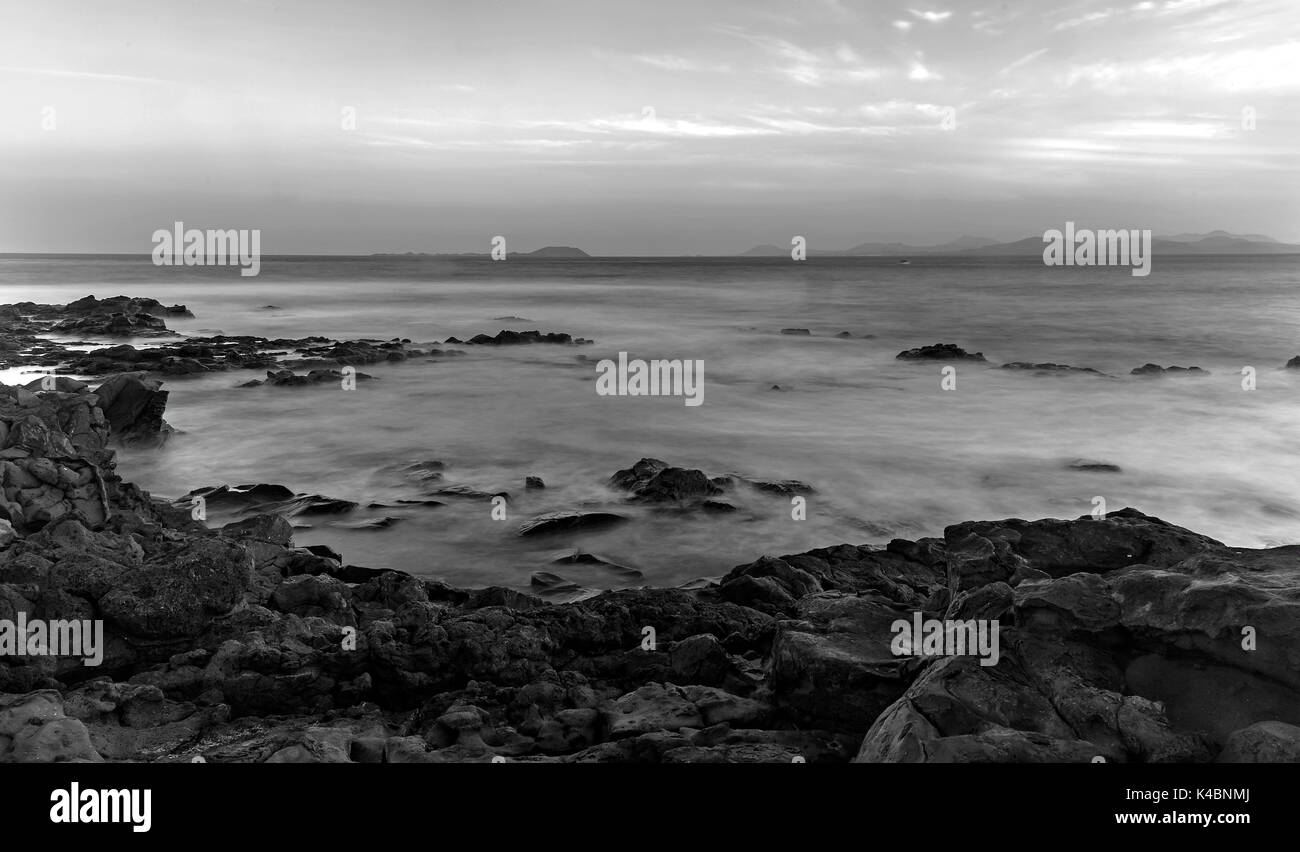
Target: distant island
[(545, 252), (1215, 242)]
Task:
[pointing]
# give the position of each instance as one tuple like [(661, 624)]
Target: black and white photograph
[(676, 382)]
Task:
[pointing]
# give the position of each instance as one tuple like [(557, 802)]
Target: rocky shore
[(1126, 639)]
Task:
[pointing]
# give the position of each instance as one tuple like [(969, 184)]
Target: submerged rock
[(1050, 368), (1093, 466), (939, 352), (515, 338), (558, 522), (591, 559), (655, 481), (1157, 370)]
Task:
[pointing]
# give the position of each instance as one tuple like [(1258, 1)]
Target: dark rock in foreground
[(940, 352), (134, 404), (1127, 638)]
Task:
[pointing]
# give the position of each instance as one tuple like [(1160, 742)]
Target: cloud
[(932, 17), (1090, 18), (673, 62), (1260, 69), (83, 75), (649, 122), (920, 72), (1148, 129), (808, 67), (1024, 60)]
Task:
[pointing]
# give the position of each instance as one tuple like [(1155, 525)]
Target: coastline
[(231, 644)]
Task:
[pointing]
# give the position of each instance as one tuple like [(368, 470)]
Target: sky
[(663, 127)]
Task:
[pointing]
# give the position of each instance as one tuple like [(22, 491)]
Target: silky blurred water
[(890, 453)]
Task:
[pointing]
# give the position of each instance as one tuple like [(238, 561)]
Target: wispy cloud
[(82, 75), (672, 62), (1259, 69), (1024, 60)]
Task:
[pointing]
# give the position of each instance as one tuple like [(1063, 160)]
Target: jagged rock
[(307, 595), (1157, 370), (238, 496), (783, 487), (513, 338), (177, 595), (1058, 369), (1092, 466), (653, 707), (1263, 742), (580, 558), (134, 405), (833, 665), (563, 522), (980, 552), (34, 729), (269, 528), (906, 576), (655, 481), (939, 352), (287, 378)]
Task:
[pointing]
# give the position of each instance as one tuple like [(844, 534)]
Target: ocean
[(888, 451)]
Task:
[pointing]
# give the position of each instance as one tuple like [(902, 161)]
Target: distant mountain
[(892, 249), (962, 243), (1215, 242), (1224, 245), (1191, 238), (766, 250), (1027, 246), (551, 251), (878, 249), (1203, 244)]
